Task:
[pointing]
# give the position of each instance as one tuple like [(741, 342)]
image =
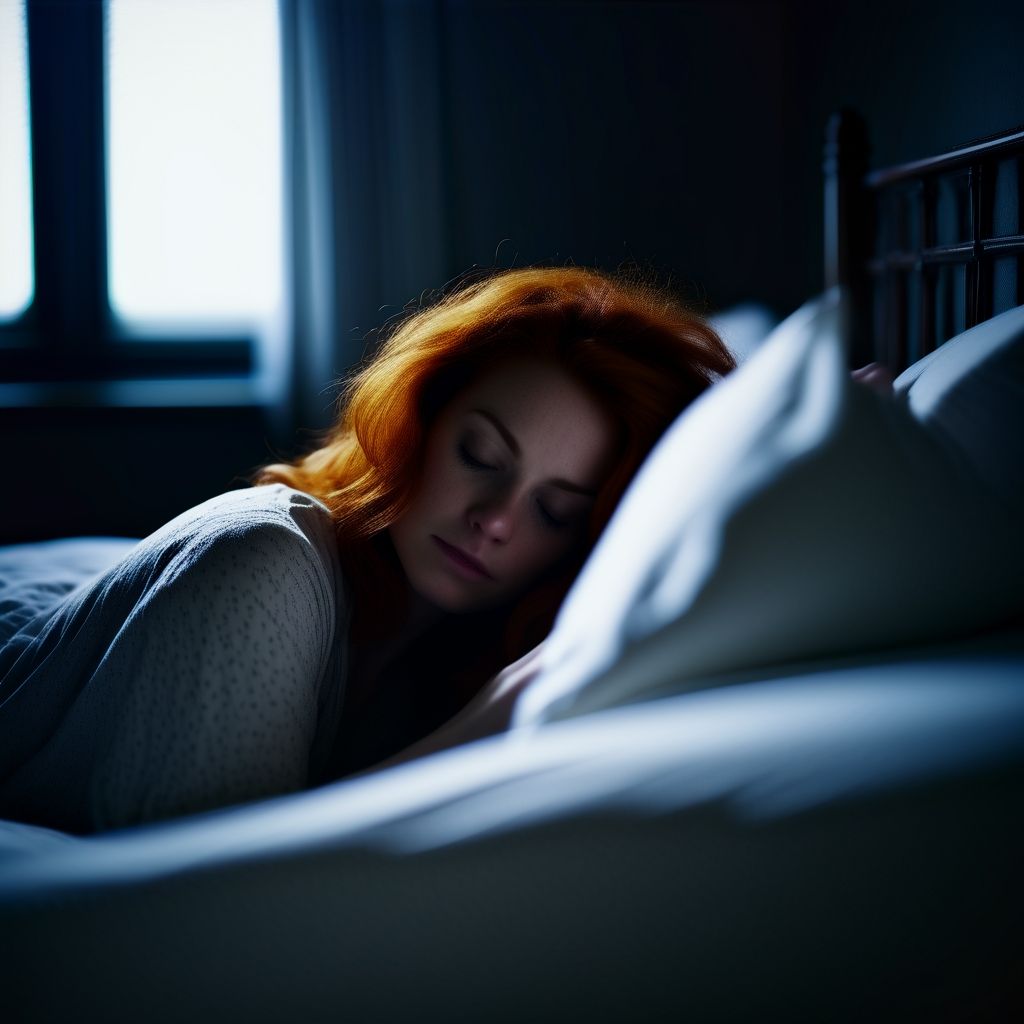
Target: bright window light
[(194, 161), (16, 276)]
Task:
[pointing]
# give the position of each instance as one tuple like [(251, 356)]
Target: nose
[(493, 518)]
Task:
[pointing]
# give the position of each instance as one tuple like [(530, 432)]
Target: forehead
[(552, 416)]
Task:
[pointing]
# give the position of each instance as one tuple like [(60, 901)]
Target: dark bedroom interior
[(681, 138), (265, 754)]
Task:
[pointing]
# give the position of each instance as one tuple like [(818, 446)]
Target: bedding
[(34, 578), (743, 328), (789, 514), (970, 394), (840, 845)]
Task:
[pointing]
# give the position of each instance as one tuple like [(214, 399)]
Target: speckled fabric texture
[(204, 667)]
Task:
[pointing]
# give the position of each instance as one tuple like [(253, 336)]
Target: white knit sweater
[(204, 667)]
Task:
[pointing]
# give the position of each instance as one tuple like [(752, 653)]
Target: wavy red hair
[(639, 351)]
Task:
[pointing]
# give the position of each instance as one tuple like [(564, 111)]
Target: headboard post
[(847, 242)]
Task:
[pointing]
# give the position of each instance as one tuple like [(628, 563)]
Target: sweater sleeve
[(218, 673)]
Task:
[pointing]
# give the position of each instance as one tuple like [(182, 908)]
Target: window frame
[(68, 334)]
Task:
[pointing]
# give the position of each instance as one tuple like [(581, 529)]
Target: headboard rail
[(927, 249)]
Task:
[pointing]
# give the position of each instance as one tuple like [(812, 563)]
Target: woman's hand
[(491, 709), (875, 376), (487, 714)]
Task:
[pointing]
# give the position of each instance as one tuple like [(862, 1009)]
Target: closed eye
[(467, 458), (551, 520)]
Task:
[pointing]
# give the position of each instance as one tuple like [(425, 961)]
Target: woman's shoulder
[(254, 506), (270, 511), (281, 530)]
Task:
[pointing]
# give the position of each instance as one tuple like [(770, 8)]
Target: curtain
[(366, 157)]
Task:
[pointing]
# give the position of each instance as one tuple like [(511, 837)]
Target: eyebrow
[(513, 445)]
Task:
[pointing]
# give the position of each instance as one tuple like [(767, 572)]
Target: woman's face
[(510, 472)]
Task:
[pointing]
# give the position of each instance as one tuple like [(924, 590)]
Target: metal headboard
[(926, 249)]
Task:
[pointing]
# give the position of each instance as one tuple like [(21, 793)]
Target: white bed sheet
[(764, 750), (818, 846)]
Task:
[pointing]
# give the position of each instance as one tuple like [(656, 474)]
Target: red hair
[(641, 353)]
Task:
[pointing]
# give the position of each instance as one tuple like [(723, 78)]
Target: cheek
[(440, 483), (539, 554), (444, 491)]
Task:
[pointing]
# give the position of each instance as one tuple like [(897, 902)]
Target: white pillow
[(743, 328), (970, 393), (787, 514)]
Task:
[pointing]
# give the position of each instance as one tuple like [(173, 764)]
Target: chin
[(449, 597), (458, 604)]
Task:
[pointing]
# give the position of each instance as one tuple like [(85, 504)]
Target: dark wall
[(684, 137), (620, 133), (927, 76), (120, 471), (688, 136)]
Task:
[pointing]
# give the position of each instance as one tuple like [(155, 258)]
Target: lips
[(466, 564)]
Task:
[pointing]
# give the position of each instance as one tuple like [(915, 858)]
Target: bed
[(773, 767)]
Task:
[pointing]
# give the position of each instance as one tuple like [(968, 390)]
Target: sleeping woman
[(358, 607)]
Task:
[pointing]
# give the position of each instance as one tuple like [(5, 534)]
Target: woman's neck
[(421, 616), (371, 660)]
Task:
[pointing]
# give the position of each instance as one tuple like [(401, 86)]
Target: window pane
[(194, 159), (16, 276)]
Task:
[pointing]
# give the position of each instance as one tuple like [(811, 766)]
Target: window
[(155, 194), (16, 279), (194, 160)]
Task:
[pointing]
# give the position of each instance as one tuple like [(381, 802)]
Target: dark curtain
[(365, 176)]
